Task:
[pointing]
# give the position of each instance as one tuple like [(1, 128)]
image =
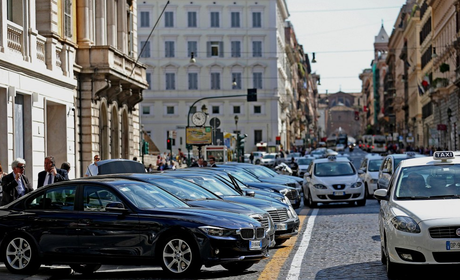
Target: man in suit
[(51, 174), (15, 184), (212, 162)]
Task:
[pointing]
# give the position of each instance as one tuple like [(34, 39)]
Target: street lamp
[(236, 123)]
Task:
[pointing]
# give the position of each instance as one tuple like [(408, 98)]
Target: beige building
[(69, 82)]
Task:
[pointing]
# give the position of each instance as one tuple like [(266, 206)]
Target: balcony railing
[(15, 35)]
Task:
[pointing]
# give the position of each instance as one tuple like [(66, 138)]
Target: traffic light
[(240, 141), (145, 148), (252, 95), (168, 144)]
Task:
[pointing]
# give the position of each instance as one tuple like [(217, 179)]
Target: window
[(96, 198), (215, 48), (236, 109), (192, 46), (236, 80), (257, 136), (145, 110), (256, 19), (236, 48), (215, 19), (148, 77), (257, 80), (257, 109), (170, 81), (215, 109), (68, 18), (191, 19), (145, 19), (235, 19), (62, 198), (192, 80), (170, 110), (215, 80), (257, 48), (169, 49), (169, 19), (145, 49), (19, 124)]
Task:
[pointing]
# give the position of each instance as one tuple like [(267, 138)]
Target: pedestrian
[(66, 166), (92, 169), (15, 184), (212, 162), (150, 168), (158, 160), (251, 158), (161, 166), (135, 158), (51, 174)]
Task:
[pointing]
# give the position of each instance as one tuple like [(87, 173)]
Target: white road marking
[(294, 271)]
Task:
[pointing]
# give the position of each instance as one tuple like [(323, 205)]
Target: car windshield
[(215, 186), (374, 165), (183, 189), (243, 176), (428, 182), (304, 161), (338, 168), (145, 196)]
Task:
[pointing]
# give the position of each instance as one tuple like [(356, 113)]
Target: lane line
[(273, 267), (294, 271)]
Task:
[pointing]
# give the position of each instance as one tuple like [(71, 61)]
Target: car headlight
[(320, 187), (291, 213), (356, 185), (405, 224), (283, 192), (374, 181), (217, 231)]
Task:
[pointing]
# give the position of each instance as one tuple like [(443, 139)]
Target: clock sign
[(199, 118)]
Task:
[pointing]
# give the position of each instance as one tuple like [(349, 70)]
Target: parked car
[(86, 223), (112, 166), (389, 165), (303, 164), (269, 160), (258, 156)]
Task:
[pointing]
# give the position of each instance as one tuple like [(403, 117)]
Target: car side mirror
[(381, 194), (360, 171), (250, 193), (115, 207)]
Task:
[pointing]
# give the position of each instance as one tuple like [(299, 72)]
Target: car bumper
[(226, 251), (285, 230), (337, 196), (422, 248)]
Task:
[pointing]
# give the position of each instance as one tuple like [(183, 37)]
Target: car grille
[(333, 197), (263, 220), (292, 194), (444, 232), (252, 233), (279, 215), (339, 186)]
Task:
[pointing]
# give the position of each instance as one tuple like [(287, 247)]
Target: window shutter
[(173, 51), (208, 49)]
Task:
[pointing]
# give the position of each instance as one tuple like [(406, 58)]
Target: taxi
[(419, 221), (389, 164), (333, 179), (370, 167)]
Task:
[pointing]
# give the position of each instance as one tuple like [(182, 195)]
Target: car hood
[(426, 210), (262, 185), (257, 202), (337, 179), (227, 206)]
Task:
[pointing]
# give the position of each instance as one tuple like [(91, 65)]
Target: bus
[(334, 139)]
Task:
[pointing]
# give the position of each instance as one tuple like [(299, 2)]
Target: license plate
[(452, 245), (338, 193), (255, 245), (280, 227)]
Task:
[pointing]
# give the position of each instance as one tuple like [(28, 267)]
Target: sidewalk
[(45, 273)]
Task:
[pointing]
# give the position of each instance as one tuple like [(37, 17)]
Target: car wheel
[(21, 255), (180, 256), (85, 268), (257, 161), (383, 257), (305, 199), (238, 266), (392, 268), (311, 203), (361, 202)]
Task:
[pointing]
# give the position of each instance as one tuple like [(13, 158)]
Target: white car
[(419, 219), (389, 164), (269, 160), (340, 148), (370, 166), (303, 163), (333, 180), (258, 156)]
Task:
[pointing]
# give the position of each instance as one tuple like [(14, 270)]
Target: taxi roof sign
[(443, 155), (332, 158), (410, 154)]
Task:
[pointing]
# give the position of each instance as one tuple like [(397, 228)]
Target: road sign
[(214, 122)]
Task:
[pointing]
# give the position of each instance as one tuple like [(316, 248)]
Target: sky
[(341, 33)]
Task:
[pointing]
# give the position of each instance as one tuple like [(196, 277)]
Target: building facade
[(235, 46)]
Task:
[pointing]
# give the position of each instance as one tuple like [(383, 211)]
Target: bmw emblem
[(457, 232)]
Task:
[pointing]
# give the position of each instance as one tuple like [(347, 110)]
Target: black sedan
[(86, 223)]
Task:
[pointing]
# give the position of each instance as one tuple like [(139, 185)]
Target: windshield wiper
[(446, 196)]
